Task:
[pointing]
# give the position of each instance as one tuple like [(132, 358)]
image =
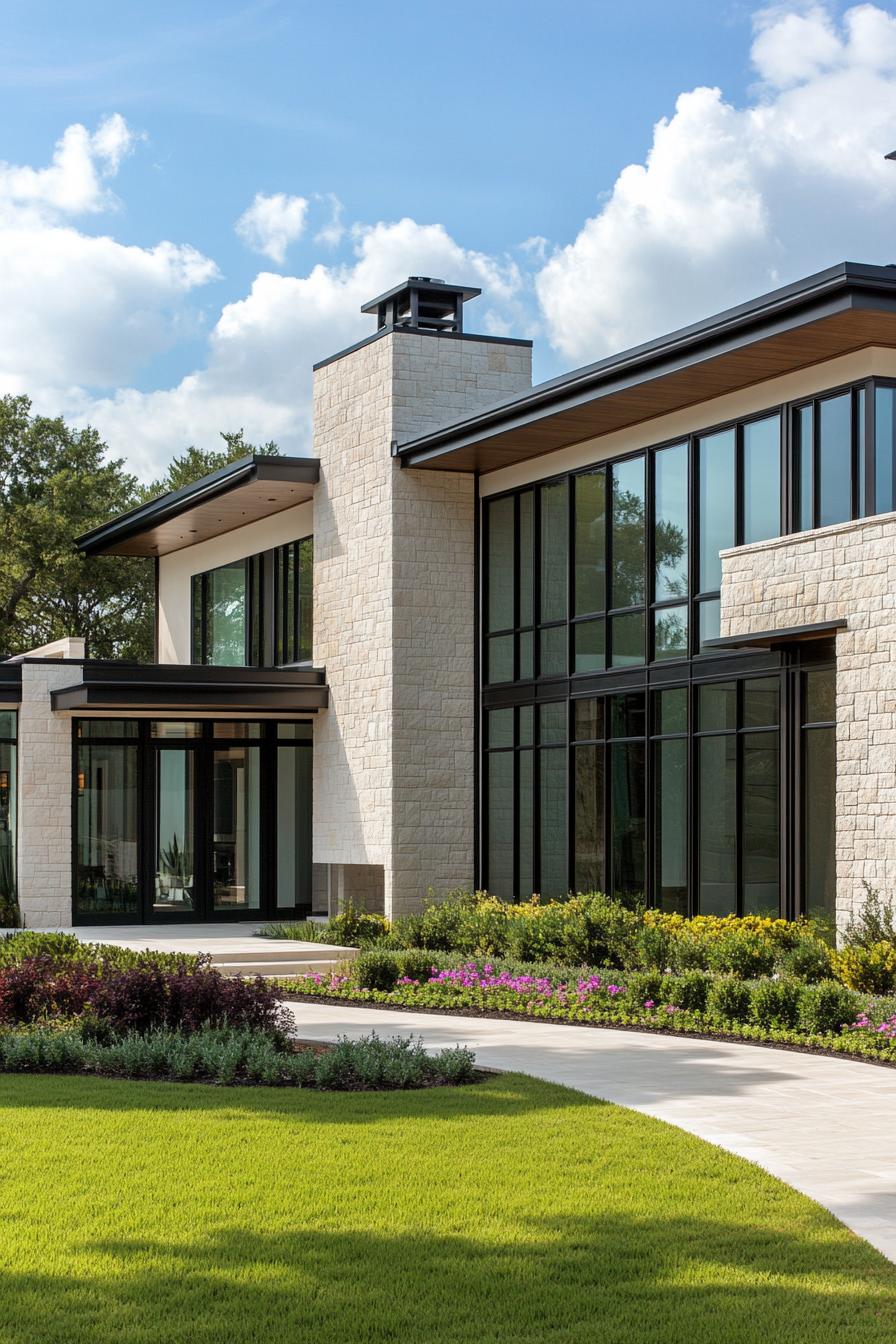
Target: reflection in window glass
[(500, 658), (820, 696), (8, 812), (671, 525), (225, 630), (716, 505), (525, 769), (527, 557), (884, 448), (802, 430), (627, 716), (716, 825), (627, 799), (173, 729), (552, 722), (761, 702), (553, 822), (760, 822), (819, 819), (175, 847), (527, 655), (717, 707), (500, 563), (590, 577), (589, 719), (105, 728), (628, 533), (553, 552), (670, 633), (293, 827), (500, 728), (589, 818), (834, 460), (671, 840), (526, 723), (107, 825), (762, 475), (628, 639), (590, 650), (236, 836), (552, 644), (500, 823), (709, 621), (672, 710)]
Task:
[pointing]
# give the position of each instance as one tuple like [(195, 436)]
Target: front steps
[(281, 959)]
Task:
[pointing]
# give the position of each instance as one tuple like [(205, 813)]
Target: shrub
[(643, 985), (652, 947), (407, 931), (872, 969), (742, 952), (809, 959), (688, 953), (826, 1007), (375, 969), (354, 928), (874, 922), (775, 1003), (688, 991), (729, 999), (64, 949)]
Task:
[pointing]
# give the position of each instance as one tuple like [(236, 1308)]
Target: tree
[(55, 484)]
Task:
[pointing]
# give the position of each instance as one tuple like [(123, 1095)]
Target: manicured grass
[(152, 1213)]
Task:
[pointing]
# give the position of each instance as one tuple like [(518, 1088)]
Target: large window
[(8, 806), (255, 612), (191, 819), (819, 771)]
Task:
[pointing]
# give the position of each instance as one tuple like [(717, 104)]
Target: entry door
[(235, 838)]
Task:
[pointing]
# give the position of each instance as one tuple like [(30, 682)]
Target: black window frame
[(276, 619)]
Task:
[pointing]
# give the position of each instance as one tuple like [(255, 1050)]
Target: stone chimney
[(394, 599)]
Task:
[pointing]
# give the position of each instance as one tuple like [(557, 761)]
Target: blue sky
[(493, 123)]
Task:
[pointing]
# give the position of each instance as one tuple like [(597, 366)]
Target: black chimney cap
[(423, 304)]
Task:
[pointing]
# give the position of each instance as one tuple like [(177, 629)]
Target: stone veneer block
[(844, 572), (394, 613)]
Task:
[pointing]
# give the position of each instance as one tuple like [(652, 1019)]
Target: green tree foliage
[(55, 484)]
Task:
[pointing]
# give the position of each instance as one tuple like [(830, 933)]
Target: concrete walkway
[(825, 1126)]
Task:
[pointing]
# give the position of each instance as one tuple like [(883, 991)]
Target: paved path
[(825, 1126)]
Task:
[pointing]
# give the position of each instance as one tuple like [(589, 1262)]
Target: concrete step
[(286, 951), (280, 969)]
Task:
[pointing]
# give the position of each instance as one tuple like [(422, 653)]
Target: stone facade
[(44, 849), (394, 614), (845, 572)]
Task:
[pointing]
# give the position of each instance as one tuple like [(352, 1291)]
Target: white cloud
[(77, 309), (271, 223), (732, 201), (332, 231), (258, 371)]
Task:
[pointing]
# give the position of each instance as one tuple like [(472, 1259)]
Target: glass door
[(236, 829), (174, 882)]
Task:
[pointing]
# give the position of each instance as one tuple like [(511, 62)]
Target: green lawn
[(511, 1210)]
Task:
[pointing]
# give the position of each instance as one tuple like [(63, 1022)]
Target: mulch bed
[(291, 997)]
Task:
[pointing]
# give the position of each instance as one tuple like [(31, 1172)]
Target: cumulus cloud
[(258, 371), (82, 310), (734, 200), (271, 223)]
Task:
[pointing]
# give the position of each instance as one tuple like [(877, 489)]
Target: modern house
[(632, 629)]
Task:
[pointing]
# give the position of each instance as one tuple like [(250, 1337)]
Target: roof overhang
[(240, 493), (833, 313), (165, 688), (771, 639)]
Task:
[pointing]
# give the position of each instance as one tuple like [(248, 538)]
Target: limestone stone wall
[(44, 854), (843, 572), (394, 614)]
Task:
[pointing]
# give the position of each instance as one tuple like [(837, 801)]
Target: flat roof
[(242, 492), (168, 688), (770, 639), (844, 308)]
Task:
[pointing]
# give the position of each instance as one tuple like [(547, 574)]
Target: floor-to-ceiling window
[(8, 805), (601, 592), (191, 819)]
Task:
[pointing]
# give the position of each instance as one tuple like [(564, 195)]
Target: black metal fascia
[(260, 467), (825, 294), (769, 638)]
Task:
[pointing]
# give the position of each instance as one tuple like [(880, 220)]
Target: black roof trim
[(819, 295), (419, 331), (257, 467), (768, 638), (168, 686)]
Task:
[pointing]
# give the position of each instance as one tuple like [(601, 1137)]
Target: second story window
[(255, 612)]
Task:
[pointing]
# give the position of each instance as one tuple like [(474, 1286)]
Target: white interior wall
[(176, 570)]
